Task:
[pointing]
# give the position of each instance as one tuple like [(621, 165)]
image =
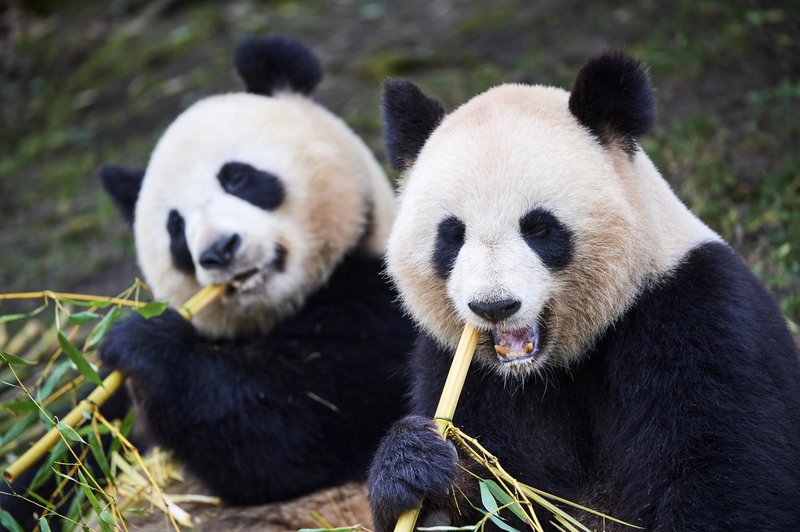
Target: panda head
[(521, 213), (264, 192)]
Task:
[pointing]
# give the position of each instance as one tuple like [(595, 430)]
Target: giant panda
[(285, 383), (628, 360)]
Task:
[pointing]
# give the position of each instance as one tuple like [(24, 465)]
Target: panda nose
[(220, 253), (495, 310)]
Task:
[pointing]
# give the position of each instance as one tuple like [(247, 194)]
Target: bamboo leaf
[(46, 469), (98, 303), (98, 508), (100, 456), (487, 499), (8, 521), (18, 428), (153, 309), (14, 317), (69, 432), (12, 359), (505, 499), (106, 517), (79, 318), (43, 525), (19, 406), (102, 327), (74, 512), (50, 382), (77, 358)]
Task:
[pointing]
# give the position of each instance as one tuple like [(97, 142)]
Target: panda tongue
[(512, 345)]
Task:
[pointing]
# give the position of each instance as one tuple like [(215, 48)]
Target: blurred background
[(84, 83)]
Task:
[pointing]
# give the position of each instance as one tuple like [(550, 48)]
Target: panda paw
[(140, 347), (412, 463)]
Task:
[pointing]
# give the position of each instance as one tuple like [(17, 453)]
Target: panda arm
[(254, 432), (701, 392)]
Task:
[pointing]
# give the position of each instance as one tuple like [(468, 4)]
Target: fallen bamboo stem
[(447, 403), (100, 394)]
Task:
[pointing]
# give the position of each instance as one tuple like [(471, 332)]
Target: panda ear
[(409, 118), (613, 97), (123, 185), (271, 64)]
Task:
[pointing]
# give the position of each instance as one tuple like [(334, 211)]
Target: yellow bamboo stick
[(447, 403), (100, 394), (75, 297)]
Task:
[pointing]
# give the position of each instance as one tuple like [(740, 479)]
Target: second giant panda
[(286, 383), (628, 359)]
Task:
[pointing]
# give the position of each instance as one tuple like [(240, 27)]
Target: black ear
[(123, 185), (613, 97), (409, 118), (270, 64)]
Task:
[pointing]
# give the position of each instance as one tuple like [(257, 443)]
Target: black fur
[(548, 237), (684, 416), (178, 248), (275, 416), (449, 240), (123, 185), (613, 97), (409, 118), (252, 185), (271, 64)]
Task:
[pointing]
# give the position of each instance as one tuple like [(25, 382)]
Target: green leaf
[(50, 382), (19, 406), (101, 303), (79, 318), (505, 499), (153, 309), (490, 504), (340, 529), (100, 456), (106, 517), (74, 513), (43, 525), (18, 428), (487, 499), (9, 522), (69, 432), (102, 327), (98, 508), (14, 317), (46, 469), (13, 359), (77, 358)]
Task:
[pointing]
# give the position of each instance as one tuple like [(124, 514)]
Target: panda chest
[(541, 432)]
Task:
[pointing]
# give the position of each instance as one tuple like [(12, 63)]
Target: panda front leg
[(412, 464), (219, 412)]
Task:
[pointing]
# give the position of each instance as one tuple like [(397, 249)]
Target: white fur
[(331, 182), (491, 161)]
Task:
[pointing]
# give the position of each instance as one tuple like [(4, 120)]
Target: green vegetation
[(93, 82)]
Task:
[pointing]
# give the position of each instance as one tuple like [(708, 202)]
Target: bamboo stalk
[(100, 394), (75, 297), (447, 403)]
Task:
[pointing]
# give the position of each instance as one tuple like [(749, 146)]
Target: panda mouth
[(516, 347), (252, 278), (249, 279)]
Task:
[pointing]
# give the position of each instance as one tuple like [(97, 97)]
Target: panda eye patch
[(449, 240), (178, 248), (547, 237), (252, 185)]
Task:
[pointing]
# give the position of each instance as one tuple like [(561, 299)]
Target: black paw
[(412, 463), (139, 347)]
